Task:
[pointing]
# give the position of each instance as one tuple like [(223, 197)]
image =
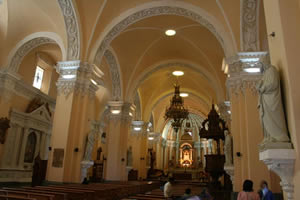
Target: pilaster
[(244, 72), (118, 130), (76, 86)]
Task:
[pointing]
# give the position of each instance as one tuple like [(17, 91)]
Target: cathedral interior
[(205, 91)]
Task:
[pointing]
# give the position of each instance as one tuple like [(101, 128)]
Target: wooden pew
[(57, 195), (89, 194), (27, 195), (4, 197), (72, 194)]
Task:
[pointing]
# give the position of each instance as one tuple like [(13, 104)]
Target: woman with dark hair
[(247, 193)]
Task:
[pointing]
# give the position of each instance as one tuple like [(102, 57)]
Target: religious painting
[(4, 125), (30, 148), (58, 158)]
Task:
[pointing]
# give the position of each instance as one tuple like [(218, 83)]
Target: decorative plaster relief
[(156, 11), (78, 77), (249, 25), (72, 28), (24, 49), (115, 75)]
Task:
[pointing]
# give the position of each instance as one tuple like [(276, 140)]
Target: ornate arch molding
[(250, 25), (29, 43), (115, 74), (72, 27), (163, 8), (206, 75)]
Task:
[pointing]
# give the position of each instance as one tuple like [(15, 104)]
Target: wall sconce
[(49, 148), (76, 149), (142, 158), (272, 34), (122, 159), (238, 154)]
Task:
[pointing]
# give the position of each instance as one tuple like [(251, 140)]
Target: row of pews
[(158, 194), (93, 191)]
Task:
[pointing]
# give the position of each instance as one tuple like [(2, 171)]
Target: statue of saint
[(270, 106), (89, 146), (129, 156), (228, 148)]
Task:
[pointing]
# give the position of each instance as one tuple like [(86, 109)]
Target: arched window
[(30, 148)]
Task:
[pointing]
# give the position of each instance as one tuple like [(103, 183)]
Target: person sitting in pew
[(168, 188)]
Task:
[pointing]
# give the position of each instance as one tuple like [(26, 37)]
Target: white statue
[(228, 148), (89, 146), (270, 106), (129, 156)]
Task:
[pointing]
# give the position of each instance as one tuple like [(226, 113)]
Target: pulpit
[(213, 128)]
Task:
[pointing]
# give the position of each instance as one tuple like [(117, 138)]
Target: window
[(38, 77)]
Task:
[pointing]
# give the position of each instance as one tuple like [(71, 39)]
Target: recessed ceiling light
[(178, 73), (170, 32), (252, 70), (184, 94), (137, 128), (150, 138), (115, 112)]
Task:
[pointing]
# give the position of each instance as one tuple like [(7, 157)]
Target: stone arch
[(146, 10), (30, 42), (181, 63), (249, 25), (70, 13), (115, 73)]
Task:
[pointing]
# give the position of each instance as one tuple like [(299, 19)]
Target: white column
[(22, 152)]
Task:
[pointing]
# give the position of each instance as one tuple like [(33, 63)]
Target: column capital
[(225, 112), (121, 110), (244, 70), (77, 76)]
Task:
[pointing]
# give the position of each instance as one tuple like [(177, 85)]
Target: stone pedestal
[(229, 169), (85, 165), (282, 162)]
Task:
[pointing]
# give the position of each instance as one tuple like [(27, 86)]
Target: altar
[(185, 173)]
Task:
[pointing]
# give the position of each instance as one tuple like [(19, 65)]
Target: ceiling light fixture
[(115, 112), (170, 32), (94, 82), (184, 94), (150, 138), (178, 73), (252, 69), (137, 128)]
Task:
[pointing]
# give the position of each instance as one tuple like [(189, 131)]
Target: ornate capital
[(244, 71), (282, 162), (79, 77), (120, 110), (224, 109)]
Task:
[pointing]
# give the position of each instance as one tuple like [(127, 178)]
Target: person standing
[(264, 192), (247, 193)]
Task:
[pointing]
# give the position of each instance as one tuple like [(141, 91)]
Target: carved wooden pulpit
[(213, 128)]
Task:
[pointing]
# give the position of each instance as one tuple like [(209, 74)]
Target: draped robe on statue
[(270, 107)]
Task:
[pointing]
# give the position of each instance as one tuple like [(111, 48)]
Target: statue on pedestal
[(89, 146), (270, 106), (228, 148)]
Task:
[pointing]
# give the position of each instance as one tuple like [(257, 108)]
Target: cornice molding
[(11, 84)]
